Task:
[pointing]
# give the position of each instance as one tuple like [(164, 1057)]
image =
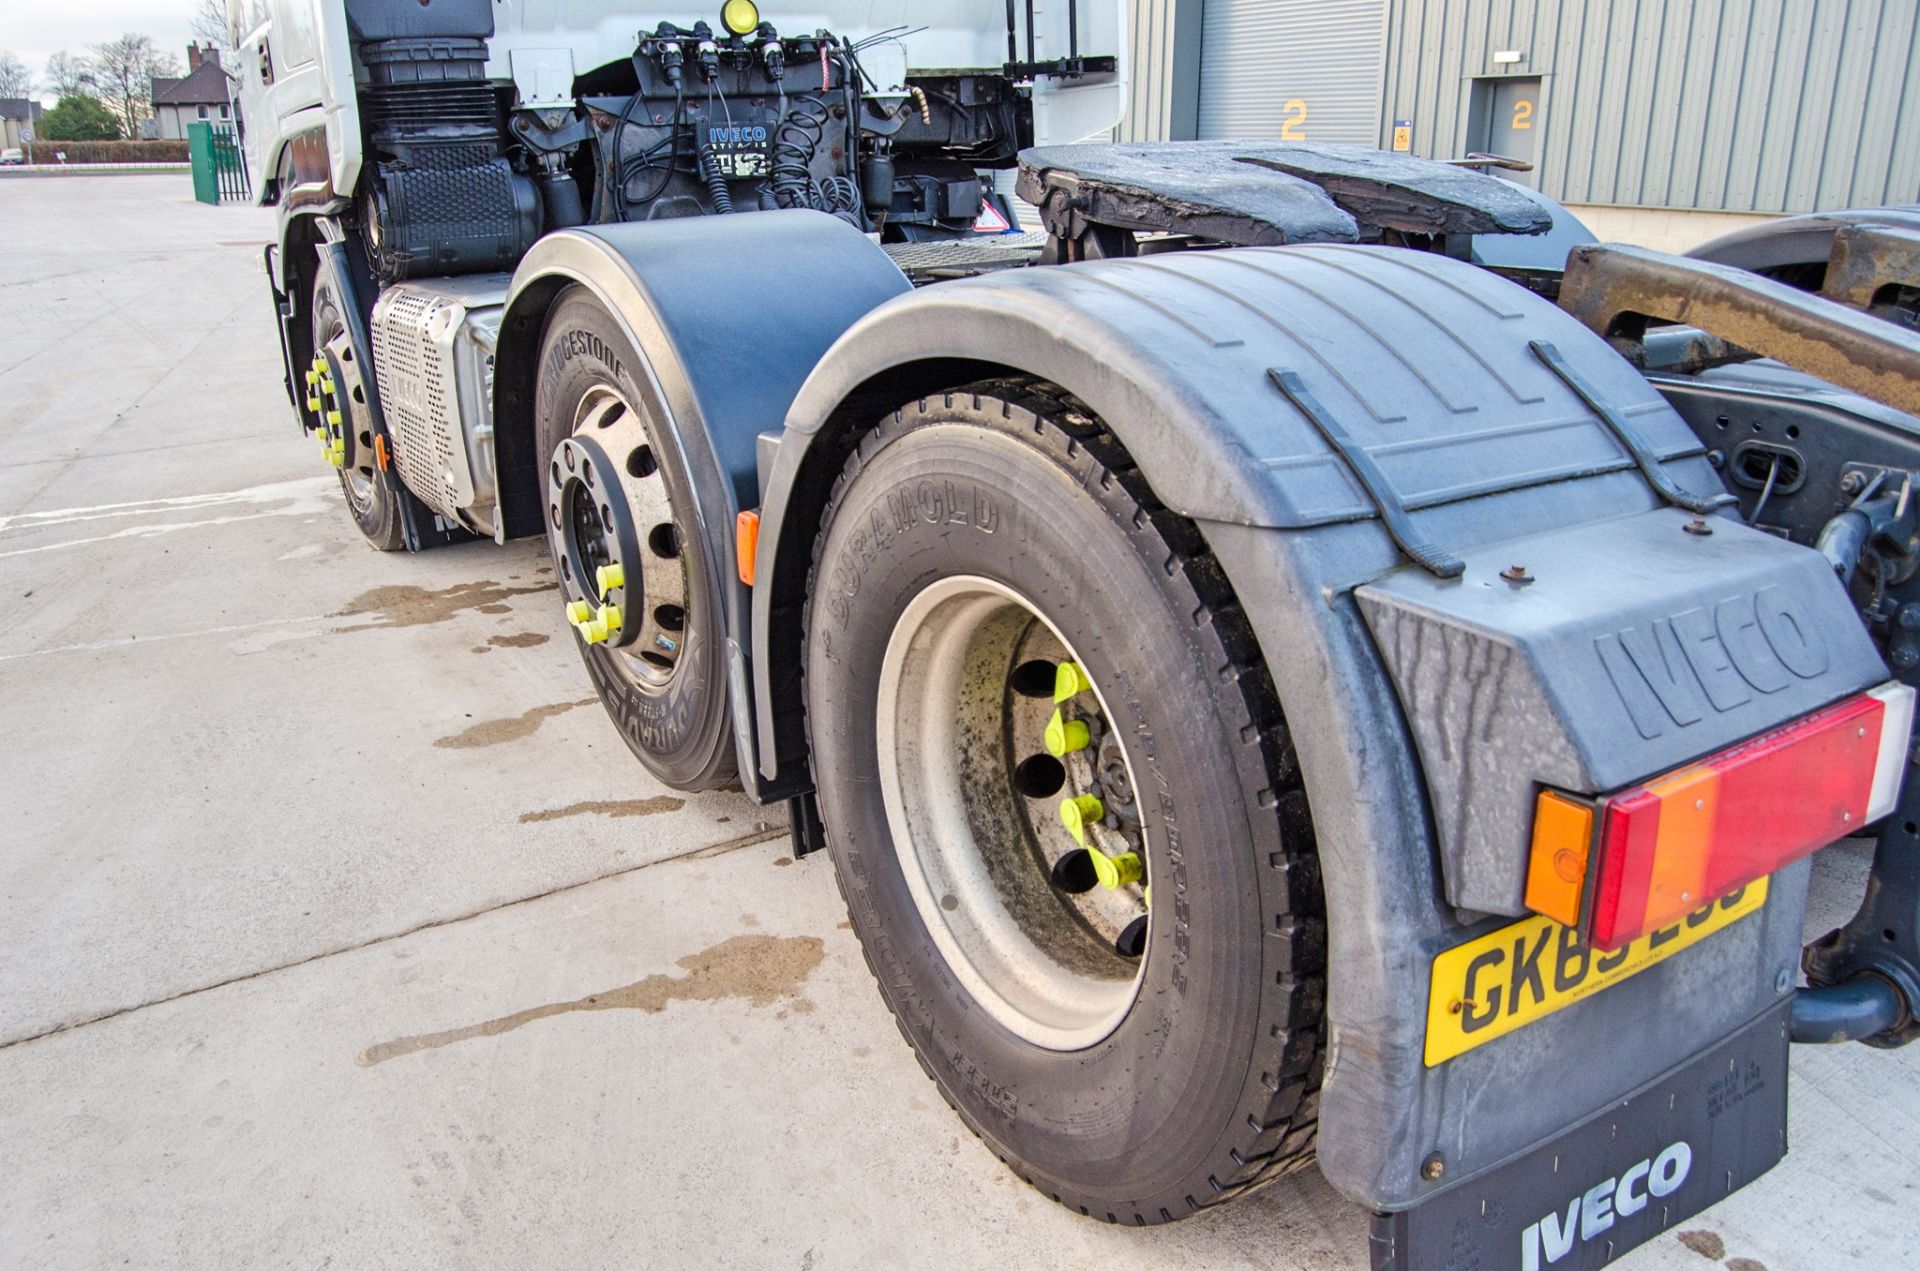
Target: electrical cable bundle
[(795, 140)]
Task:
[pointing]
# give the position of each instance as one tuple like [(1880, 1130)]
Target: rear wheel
[(1084, 876), (634, 567), (343, 423)]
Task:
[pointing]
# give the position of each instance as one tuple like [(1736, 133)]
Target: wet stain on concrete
[(783, 861), (1745, 1264), (607, 807), (494, 732), (1707, 1244), (760, 969), (518, 640), (410, 606)]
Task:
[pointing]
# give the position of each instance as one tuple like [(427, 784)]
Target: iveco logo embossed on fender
[(1672, 671)]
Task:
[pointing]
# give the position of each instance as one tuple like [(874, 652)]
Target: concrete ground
[(337, 927)]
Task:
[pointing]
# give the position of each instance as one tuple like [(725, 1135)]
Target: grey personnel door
[(1513, 120)]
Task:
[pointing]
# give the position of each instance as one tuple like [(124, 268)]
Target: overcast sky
[(32, 29)]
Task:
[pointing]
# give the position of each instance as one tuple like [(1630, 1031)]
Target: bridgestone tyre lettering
[(680, 730)]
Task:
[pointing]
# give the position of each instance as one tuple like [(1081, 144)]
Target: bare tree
[(15, 79), (209, 24), (67, 75), (124, 71)]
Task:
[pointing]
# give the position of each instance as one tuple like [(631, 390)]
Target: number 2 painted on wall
[(1293, 128), (1522, 115)]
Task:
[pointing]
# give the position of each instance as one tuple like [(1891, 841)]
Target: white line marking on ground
[(301, 488), (97, 645), (165, 527)]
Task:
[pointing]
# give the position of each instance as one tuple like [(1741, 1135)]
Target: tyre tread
[(1276, 1137)]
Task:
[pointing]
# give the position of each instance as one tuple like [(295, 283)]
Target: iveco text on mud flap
[(1381, 685), (1629, 1172)]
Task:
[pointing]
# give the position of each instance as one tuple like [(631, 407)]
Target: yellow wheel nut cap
[(1080, 811), (1064, 736), (608, 577), (1068, 680), (610, 617), (1116, 871), (579, 612)]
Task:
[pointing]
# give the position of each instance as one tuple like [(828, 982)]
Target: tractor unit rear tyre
[(633, 566), (372, 500), (1064, 809)]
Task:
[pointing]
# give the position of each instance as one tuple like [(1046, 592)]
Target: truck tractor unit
[(1299, 655)]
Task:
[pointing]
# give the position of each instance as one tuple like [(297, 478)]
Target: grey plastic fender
[(1797, 243), (1425, 363), (729, 314)]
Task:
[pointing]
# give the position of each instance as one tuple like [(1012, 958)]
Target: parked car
[(12, 157)]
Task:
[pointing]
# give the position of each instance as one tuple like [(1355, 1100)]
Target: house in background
[(13, 118), (202, 93)]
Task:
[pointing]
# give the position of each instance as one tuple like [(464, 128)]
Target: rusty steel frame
[(1618, 291), (1868, 258)]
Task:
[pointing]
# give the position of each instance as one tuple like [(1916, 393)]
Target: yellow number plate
[(1507, 979)]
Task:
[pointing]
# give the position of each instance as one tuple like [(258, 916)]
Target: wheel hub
[(1011, 805), (326, 403), (613, 531)]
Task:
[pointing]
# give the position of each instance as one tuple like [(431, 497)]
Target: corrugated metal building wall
[(1305, 70), (1788, 106), (1162, 88)]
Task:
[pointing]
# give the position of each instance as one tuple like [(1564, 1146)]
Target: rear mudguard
[(729, 314), (1425, 364)]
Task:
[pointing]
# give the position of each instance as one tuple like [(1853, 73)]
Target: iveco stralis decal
[(1592, 1212)]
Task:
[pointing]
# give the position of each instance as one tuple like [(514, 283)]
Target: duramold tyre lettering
[(966, 535)]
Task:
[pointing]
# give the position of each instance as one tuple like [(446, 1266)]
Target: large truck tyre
[(372, 501), (619, 498), (1064, 808)]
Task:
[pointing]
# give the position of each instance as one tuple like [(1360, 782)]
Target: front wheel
[(342, 422), (1063, 808)]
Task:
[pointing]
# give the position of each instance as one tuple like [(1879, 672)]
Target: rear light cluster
[(1624, 864)]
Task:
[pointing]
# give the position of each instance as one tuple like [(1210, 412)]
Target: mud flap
[(1617, 1179)]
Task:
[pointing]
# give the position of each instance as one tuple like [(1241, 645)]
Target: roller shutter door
[(1303, 70)]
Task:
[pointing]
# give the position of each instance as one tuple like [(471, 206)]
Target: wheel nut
[(1117, 871), (1080, 811), (1064, 736), (1070, 680)]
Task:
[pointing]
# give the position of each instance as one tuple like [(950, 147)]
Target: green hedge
[(111, 151)]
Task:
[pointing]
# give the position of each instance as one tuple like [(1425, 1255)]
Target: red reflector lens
[(1677, 842)]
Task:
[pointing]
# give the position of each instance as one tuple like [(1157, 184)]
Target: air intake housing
[(444, 199)]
